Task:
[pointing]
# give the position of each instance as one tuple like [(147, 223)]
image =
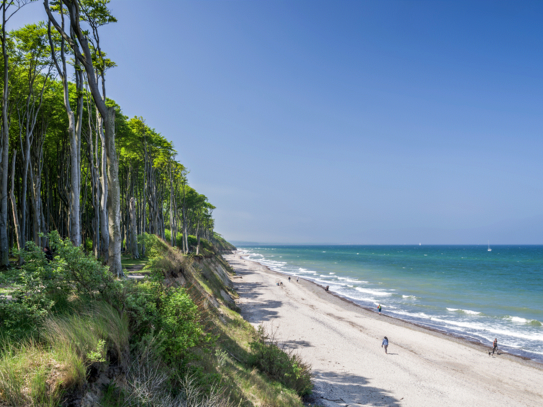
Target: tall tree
[(9, 8), (81, 48)]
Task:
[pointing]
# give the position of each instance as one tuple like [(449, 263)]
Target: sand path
[(343, 344)]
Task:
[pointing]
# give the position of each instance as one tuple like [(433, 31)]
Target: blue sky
[(348, 122)]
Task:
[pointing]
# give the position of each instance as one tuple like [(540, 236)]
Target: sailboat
[(489, 249)]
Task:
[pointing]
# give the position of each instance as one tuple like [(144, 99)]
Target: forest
[(85, 192), (71, 161)]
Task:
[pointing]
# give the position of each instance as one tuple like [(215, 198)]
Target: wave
[(414, 314), (520, 320), (352, 280), (464, 311), (490, 328), (411, 297), (372, 292)]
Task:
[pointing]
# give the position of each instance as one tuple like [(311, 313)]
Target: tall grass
[(84, 333), (36, 375), (39, 374)]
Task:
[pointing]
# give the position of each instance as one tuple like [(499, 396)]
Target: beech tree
[(71, 161)]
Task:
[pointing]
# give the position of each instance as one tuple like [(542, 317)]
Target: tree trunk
[(113, 196), (18, 236), (4, 244), (133, 234)]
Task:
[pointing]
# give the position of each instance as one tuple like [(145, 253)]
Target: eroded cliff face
[(210, 276)]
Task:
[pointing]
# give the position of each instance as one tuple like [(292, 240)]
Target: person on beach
[(379, 308), (495, 349), (289, 279), (385, 344)]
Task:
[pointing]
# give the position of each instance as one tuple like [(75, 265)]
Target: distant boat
[(489, 249), (420, 244)]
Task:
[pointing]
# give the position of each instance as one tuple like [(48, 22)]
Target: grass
[(36, 374), (128, 261), (41, 373), (246, 385)]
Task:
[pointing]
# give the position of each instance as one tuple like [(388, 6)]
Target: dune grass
[(36, 373)]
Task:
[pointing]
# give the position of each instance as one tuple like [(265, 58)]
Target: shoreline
[(538, 364), (402, 322), (341, 340)]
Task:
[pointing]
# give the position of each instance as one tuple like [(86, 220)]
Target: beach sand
[(342, 342)]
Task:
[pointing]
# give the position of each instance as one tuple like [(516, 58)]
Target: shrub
[(168, 315), (44, 286), (283, 366), (178, 238), (143, 302), (180, 325)]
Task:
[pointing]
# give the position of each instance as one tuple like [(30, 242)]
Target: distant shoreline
[(402, 322)]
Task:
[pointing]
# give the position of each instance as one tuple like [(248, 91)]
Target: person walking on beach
[(289, 279), (495, 349), (385, 344), (379, 308)]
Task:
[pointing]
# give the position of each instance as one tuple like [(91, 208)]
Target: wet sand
[(342, 342)]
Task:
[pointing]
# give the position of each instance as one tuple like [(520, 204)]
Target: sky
[(343, 122)]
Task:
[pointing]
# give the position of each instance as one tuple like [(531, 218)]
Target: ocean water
[(464, 290)]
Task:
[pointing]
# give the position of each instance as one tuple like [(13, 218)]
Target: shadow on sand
[(347, 389)]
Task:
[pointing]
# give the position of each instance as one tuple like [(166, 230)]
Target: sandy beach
[(342, 342)]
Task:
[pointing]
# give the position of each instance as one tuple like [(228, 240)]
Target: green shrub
[(155, 247), (180, 327), (178, 239), (283, 366), (44, 286), (142, 304), (169, 316)]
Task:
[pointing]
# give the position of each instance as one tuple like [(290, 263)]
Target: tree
[(81, 48)]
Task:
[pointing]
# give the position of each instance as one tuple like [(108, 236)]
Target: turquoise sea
[(465, 290)]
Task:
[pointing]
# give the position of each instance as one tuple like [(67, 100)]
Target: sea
[(467, 291)]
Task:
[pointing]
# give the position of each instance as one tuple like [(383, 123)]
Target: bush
[(178, 239), (180, 325), (169, 316), (45, 286), (143, 302), (283, 366)]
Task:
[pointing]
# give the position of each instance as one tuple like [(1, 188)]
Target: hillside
[(171, 334)]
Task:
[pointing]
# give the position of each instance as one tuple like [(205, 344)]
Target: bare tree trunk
[(113, 196), (4, 244), (198, 238), (18, 236), (133, 234), (185, 228), (104, 244)]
